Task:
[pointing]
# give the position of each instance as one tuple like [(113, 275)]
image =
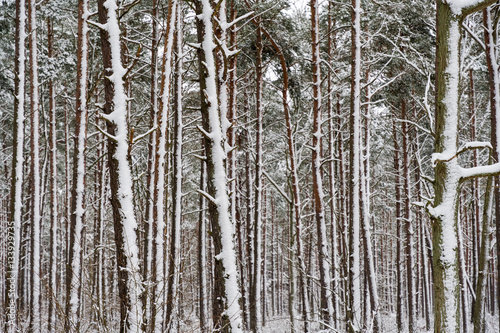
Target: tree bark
[(35, 218), (75, 256), (226, 308), (16, 187), (326, 309), (124, 222), (354, 294)]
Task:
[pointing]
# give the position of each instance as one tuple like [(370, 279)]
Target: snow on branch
[(448, 156), (479, 171)]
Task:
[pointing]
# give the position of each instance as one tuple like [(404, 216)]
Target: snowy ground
[(282, 325)]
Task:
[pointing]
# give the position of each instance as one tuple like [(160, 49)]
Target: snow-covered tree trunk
[(408, 221), (14, 229), (52, 283), (354, 298), (125, 225), (479, 309), (202, 257), (35, 218), (490, 23), (226, 308), (334, 193), (398, 218), (256, 288), (370, 272), (150, 216), (448, 173), (158, 247), (74, 265), (174, 269), (319, 206)]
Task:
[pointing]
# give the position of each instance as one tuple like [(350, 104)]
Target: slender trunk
[(125, 225), (175, 234), (479, 308), (35, 218), (324, 269), (159, 247), (354, 298), (226, 308), (255, 309), (15, 216), (74, 264), (149, 218), (490, 36), (53, 188), (408, 221), (202, 261), (371, 273), (333, 190), (398, 268)]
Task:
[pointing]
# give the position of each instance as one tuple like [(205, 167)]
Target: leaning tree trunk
[(125, 225)]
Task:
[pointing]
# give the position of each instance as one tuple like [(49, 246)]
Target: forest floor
[(282, 325)]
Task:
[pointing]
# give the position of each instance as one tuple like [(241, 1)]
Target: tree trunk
[(408, 221), (35, 218), (175, 234), (150, 216), (53, 188), (226, 308), (397, 218), (448, 173), (15, 216), (354, 297), (255, 309), (124, 222), (326, 309), (74, 264), (202, 261)]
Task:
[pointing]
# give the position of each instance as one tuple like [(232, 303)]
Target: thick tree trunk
[(448, 175)]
